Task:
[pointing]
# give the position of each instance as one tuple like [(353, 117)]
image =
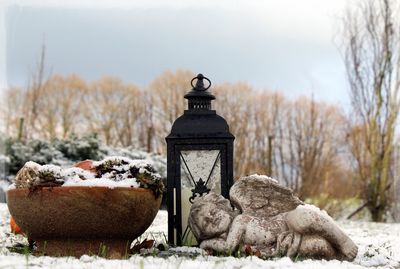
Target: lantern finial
[(198, 97), (199, 84)]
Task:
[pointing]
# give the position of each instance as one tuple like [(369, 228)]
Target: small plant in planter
[(74, 211)]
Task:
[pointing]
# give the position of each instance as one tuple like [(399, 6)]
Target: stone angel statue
[(268, 219)]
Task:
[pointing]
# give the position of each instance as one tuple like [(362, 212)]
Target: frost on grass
[(111, 172), (191, 250), (379, 247)]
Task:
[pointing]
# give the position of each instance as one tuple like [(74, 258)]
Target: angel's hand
[(217, 244), (294, 247)]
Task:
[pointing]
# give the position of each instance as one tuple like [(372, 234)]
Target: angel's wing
[(262, 196)]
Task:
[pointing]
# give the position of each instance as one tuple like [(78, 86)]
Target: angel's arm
[(217, 244), (233, 239)]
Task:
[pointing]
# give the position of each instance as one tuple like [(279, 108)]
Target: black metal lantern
[(200, 159)]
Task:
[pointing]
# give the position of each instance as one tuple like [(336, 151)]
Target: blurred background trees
[(301, 141)]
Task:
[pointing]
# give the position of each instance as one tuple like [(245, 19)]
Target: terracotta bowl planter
[(83, 220)]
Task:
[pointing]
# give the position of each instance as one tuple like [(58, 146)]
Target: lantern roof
[(199, 120), (192, 125)]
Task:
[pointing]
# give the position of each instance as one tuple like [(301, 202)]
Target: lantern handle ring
[(200, 77)]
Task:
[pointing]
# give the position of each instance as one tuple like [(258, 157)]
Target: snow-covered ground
[(379, 246)]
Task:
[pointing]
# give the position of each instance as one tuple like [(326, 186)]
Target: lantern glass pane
[(200, 173)]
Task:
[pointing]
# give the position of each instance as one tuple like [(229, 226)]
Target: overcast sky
[(285, 45)]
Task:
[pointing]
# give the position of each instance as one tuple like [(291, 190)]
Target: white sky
[(300, 57)]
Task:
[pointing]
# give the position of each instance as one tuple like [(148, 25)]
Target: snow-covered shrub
[(76, 149), (38, 151), (4, 164), (66, 152)]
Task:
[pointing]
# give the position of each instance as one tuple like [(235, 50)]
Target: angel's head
[(210, 216)]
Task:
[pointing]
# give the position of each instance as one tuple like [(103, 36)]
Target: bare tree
[(12, 110), (21, 105), (131, 113), (59, 106), (308, 145), (232, 103), (106, 101), (165, 103), (34, 94), (371, 49)]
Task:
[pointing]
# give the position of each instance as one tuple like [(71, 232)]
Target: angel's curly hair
[(204, 202)]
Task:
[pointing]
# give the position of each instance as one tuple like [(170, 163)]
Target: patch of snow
[(112, 159), (10, 187), (4, 158), (87, 258), (264, 177), (51, 168), (76, 174), (32, 165), (315, 209), (125, 164), (185, 249), (157, 161), (102, 182), (141, 163), (4, 185)]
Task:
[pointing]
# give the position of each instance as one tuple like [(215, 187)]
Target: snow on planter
[(111, 172)]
